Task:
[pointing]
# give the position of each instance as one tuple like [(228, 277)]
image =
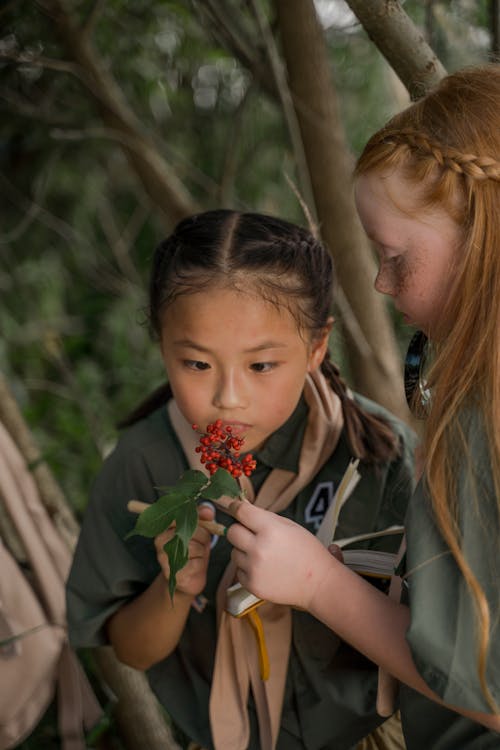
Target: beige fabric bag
[(35, 656)]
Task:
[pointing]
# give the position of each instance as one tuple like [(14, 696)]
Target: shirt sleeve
[(443, 630), (107, 568)]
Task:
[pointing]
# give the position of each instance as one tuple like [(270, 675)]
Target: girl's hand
[(276, 558), (192, 578)]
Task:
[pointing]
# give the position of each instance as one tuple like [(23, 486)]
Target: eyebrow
[(260, 347)]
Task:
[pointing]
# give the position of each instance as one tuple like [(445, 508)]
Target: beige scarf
[(236, 659)]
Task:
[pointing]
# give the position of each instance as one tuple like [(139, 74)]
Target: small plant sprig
[(220, 452), (219, 448)]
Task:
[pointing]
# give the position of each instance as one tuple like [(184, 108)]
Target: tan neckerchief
[(236, 659)]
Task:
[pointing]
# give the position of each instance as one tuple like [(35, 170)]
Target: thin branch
[(312, 225), (401, 43), (288, 108), (230, 35), (91, 21), (57, 225), (230, 158), (39, 61), (495, 30), (162, 185), (23, 107), (117, 240)]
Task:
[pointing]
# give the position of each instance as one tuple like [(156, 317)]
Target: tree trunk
[(371, 345), (160, 183), (138, 714), (139, 717), (495, 30), (401, 43)]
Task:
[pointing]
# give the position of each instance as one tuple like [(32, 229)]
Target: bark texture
[(373, 356), (159, 181), (401, 43)]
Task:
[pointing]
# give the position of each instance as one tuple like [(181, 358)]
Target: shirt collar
[(282, 449)]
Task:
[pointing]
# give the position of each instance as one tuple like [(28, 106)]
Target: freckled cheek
[(388, 281)]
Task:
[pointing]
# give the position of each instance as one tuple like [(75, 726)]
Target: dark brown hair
[(285, 265)]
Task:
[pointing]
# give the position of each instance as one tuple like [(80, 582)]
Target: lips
[(238, 428)]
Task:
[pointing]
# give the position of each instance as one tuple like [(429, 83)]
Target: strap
[(237, 655), (388, 686)]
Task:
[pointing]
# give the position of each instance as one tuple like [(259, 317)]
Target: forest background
[(120, 118)]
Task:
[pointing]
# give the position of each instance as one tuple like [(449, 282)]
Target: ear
[(319, 346)]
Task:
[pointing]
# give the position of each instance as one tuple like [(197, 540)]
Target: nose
[(229, 392), (384, 282)]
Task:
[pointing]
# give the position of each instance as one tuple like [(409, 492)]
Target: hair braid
[(476, 167), (370, 437)]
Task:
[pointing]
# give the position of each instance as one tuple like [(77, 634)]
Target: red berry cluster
[(219, 448)]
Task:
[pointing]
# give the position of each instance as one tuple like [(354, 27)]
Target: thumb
[(245, 513)]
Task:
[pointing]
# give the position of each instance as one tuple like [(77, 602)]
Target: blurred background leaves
[(78, 227)]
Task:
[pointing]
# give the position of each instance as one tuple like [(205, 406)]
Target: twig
[(136, 506)]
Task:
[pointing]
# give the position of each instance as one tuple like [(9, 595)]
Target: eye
[(196, 364), (393, 261), (263, 366)]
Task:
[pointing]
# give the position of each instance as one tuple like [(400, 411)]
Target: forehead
[(227, 309), (273, 295), (392, 209), (386, 192)]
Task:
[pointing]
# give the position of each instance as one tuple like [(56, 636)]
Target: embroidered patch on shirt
[(318, 504)]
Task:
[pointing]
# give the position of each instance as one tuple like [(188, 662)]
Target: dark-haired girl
[(240, 304)]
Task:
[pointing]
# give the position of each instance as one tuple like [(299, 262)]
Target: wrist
[(180, 597), (322, 584)]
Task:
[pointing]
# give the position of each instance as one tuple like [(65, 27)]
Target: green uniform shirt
[(442, 631), (330, 691)]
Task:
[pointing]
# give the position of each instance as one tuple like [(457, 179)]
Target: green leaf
[(177, 557), (163, 512), (191, 482), (186, 522), (222, 483)]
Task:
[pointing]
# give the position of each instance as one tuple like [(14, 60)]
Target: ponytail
[(157, 398), (370, 437)]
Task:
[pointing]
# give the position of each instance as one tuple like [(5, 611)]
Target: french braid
[(475, 167)]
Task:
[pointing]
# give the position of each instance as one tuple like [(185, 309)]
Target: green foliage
[(179, 505), (78, 231)]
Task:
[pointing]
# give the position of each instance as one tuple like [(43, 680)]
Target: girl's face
[(235, 357), (417, 248)]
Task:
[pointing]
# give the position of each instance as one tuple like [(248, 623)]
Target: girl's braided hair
[(447, 145), (469, 165), (277, 261)]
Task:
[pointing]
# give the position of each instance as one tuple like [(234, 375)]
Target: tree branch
[(401, 43), (159, 181), (371, 347), (89, 25), (285, 98), (230, 34)]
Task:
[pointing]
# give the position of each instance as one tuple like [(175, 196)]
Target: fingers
[(240, 537), (249, 515), (206, 512)]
